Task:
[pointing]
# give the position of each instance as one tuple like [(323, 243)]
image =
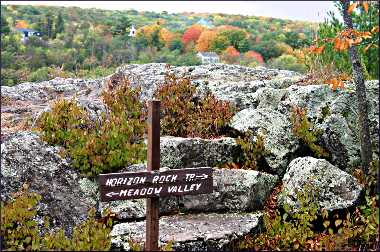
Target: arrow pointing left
[(110, 194)]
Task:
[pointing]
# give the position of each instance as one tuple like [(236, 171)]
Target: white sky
[(295, 10)]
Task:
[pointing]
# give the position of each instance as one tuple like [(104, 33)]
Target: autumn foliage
[(20, 24), (192, 34), (205, 40), (167, 36), (231, 51), (254, 55), (345, 39), (185, 115), (230, 55)]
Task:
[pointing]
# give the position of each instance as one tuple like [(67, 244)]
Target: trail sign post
[(152, 184)]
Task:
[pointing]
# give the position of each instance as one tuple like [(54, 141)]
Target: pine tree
[(59, 24), (4, 26), (49, 25)]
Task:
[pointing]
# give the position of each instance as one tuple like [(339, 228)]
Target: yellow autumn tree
[(167, 36)]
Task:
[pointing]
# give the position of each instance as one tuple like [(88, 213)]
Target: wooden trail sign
[(152, 184), (134, 185)]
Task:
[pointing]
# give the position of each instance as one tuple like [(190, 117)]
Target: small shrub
[(305, 131), (183, 115), (93, 147), (61, 125), (286, 231), (253, 151), (20, 231)]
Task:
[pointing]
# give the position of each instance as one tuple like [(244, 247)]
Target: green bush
[(20, 231), (94, 147), (253, 151), (11, 77), (290, 231), (183, 115), (288, 62)]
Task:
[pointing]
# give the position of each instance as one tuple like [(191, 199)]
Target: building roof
[(25, 30), (209, 54), (204, 22)]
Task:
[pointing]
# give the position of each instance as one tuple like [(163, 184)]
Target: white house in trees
[(26, 33), (208, 57), (132, 31)]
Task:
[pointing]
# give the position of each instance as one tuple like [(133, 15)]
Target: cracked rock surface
[(332, 188), (194, 232)]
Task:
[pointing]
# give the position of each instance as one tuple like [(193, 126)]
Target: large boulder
[(178, 152), (335, 113), (195, 232), (341, 130), (27, 159), (234, 191), (276, 130), (331, 187)]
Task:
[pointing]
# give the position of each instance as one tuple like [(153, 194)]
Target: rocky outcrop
[(198, 232), (330, 187), (26, 159), (264, 99), (340, 127), (48, 90), (276, 130), (233, 83), (178, 152)]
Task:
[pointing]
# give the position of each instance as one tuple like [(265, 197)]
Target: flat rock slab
[(179, 152), (195, 232)]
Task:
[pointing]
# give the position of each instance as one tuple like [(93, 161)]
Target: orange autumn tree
[(205, 40), (347, 40), (21, 24), (252, 55), (230, 55)]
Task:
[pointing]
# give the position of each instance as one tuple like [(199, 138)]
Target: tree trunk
[(358, 77)]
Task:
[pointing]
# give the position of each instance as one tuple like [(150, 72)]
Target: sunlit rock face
[(27, 159), (328, 186)]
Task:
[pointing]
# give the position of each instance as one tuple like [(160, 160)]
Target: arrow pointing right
[(203, 176)]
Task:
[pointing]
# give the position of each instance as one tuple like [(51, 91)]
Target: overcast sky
[(295, 10)]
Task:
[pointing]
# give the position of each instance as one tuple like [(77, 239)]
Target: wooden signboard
[(152, 184), (134, 185)]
